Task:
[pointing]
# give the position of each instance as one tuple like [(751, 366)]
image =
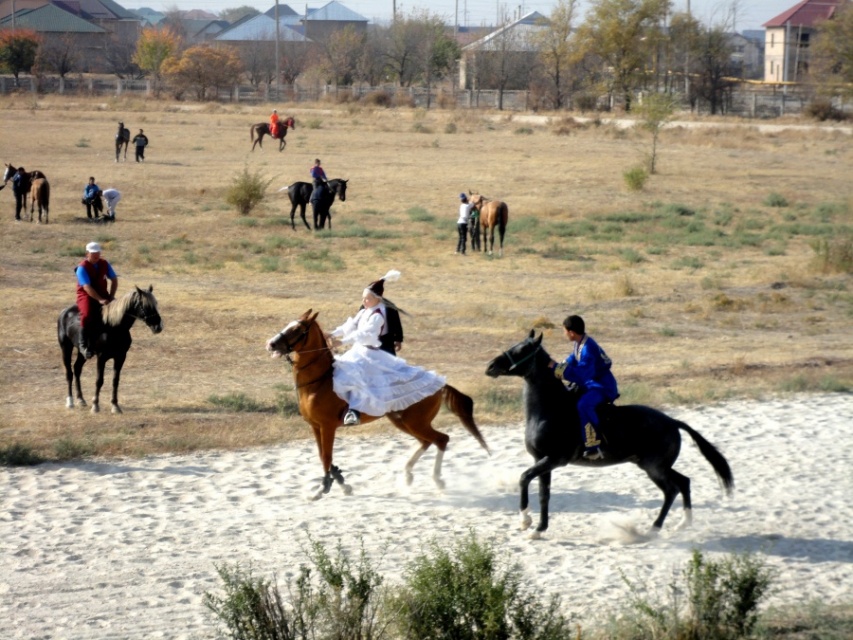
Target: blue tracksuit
[(589, 368)]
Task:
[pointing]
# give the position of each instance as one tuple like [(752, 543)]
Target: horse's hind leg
[(338, 477), (302, 213), (67, 348), (426, 435), (78, 371), (99, 382), (671, 483)]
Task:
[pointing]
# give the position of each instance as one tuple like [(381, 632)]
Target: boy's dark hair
[(575, 323)]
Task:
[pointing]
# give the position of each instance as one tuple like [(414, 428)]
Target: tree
[(655, 111), (404, 46), (506, 60), (715, 68), (118, 54), (439, 54), (832, 54), (624, 35), (18, 50), (341, 50), (59, 55), (234, 14), (685, 35), (203, 68), (153, 48), (556, 50)]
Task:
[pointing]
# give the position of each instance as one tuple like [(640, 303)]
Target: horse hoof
[(116, 409), (439, 483), (409, 479), (69, 402), (347, 490), (95, 408), (317, 496), (536, 535)]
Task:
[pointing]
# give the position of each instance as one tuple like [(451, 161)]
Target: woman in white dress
[(370, 380)]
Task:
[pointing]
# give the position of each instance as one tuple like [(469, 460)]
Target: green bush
[(774, 199), (722, 599), (333, 599), (17, 455), (237, 402), (246, 191), (465, 592), (834, 255), (635, 178)]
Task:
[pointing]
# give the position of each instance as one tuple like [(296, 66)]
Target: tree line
[(620, 48)]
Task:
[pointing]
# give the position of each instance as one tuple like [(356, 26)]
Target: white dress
[(371, 380)]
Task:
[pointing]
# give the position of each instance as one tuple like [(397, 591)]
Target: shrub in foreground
[(717, 600), (466, 593)]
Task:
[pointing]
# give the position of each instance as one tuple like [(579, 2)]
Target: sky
[(750, 14)]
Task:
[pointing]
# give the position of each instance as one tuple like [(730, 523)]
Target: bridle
[(290, 346), (513, 363)]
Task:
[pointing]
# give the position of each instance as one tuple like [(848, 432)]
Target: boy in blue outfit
[(589, 368)]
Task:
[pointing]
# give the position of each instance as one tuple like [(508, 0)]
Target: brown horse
[(303, 343), (40, 197), (263, 129), (493, 213)]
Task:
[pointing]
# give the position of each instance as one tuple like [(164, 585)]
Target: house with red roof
[(788, 36)]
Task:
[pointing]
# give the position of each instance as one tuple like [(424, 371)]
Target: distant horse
[(642, 435), (303, 343), (122, 140), (263, 129), (300, 194), (113, 341), (26, 183), (493, 213), (40, 196)]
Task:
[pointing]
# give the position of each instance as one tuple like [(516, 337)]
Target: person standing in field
[(140, 141)]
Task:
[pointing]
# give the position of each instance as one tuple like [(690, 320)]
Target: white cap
[(93, 247)]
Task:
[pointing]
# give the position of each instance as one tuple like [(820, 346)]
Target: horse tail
[(712, 455), (503, 217), (45, 193), (462, 407)]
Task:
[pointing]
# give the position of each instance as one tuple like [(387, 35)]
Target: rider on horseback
[(274, 123), (92, 275), (589, 368)]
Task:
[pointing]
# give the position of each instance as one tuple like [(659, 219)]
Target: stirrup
[(593, 454), (351, 418)]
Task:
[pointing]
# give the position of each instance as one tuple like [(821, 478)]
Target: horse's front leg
[(99, 382), (339, 478), (324, 435), (542, 466), (118, 363), (302, 213), (67, 348)]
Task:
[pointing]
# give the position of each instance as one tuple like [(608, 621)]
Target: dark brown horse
[(122, 140), (303, 343), (40, 197), (493, 213), (112, 343), (258, 131)]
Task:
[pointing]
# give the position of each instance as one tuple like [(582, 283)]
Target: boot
[(83, 346), (352, 418)]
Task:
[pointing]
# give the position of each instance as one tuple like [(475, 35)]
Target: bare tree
[(60, 55), (557, 51)]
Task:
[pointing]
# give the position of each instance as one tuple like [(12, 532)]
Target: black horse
[(300, 195), (113, 340), (634, 433), (122, 140)]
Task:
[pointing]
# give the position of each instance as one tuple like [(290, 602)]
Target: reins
[(514, 364)]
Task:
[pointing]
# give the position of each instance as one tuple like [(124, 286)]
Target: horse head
[(8, 173), (144, 307), (296, 336), (477, 200), (290, 122), (341, 189), (518, 359)]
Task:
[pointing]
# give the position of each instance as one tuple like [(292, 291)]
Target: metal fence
[(748, 101)]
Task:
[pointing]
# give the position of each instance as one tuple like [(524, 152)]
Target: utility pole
[(277, 61)]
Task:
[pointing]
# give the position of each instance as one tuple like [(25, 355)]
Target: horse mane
[(113, 313)]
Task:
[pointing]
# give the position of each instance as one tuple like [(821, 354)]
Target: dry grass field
[(701, 287)]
